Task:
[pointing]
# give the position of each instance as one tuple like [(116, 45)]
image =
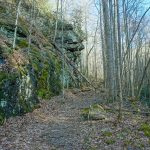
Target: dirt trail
[(57, 125)]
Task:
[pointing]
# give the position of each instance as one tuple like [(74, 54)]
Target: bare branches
[(129, 44), (94, 39)]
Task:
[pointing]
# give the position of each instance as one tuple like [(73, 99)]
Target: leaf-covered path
[(58, 125)]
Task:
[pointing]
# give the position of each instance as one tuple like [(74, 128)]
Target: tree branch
[(135, 33)]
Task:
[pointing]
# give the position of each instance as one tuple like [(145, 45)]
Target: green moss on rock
[(94, 112), (30, 73), (47, 73)]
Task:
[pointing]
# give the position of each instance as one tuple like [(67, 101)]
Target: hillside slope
[(31, 71)]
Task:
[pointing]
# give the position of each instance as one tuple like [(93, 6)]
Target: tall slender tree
[(18, 4)]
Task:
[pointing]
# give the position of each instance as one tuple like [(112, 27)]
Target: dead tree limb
[(71, 64)]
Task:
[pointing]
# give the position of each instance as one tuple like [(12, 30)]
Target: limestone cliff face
[(30, 72)]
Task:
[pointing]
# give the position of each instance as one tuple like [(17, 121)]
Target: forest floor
[(58, 125)]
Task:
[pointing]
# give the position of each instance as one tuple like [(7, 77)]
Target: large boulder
[(94, 112)]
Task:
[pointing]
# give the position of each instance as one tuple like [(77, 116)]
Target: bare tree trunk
[(108, 48), (16, 23), (144, 74), (102, 44), (95, 62), (63, 50), (118, 56), (86, 47), (56, 24)]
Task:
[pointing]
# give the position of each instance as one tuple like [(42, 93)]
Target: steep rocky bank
[(31, 71)]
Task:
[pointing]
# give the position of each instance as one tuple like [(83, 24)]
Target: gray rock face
[(71, 41), (72, 45)]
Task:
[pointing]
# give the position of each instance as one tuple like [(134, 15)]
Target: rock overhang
[(71, 41)]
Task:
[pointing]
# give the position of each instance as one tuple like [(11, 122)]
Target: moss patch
[(146, 129), (22, 43), (107, 133), (110, 141), (85, 113), (47, 70), (2, 116)]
